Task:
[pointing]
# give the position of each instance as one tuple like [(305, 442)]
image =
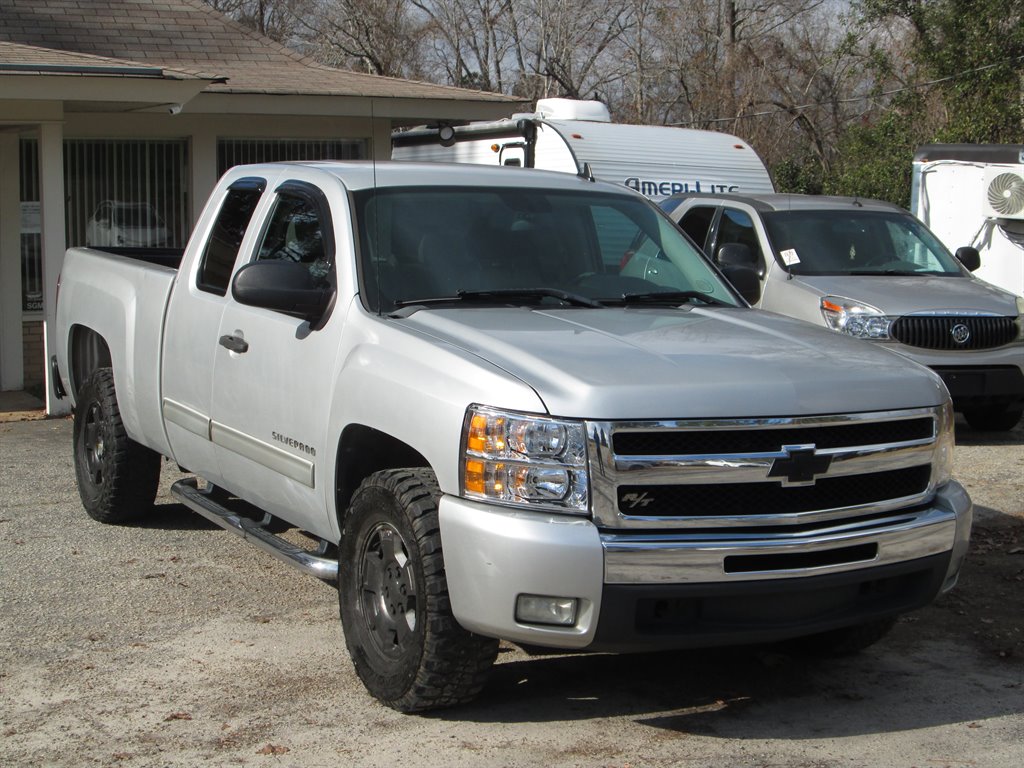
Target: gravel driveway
[(173, 643)]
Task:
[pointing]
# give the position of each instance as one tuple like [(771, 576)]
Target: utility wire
[(848, 100)]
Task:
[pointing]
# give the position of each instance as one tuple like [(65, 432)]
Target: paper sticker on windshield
[(789, 257)]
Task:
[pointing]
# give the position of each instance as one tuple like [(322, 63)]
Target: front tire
[(117, 477), (994, 419), (407, 647)]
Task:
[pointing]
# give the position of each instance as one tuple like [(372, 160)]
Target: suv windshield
[(524, 246), (850, 242)]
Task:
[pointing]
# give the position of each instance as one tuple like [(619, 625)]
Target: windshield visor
[(850, 242), (432, 243)]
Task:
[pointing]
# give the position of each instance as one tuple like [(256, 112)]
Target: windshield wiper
[(508, 295), (520, 294), (673, 298)]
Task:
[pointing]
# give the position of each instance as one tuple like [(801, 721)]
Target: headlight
[(942, 464), (520, 459), (855, 318), (1020, 317)]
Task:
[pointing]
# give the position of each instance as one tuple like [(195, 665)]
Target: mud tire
[(407, 647), (117, 477)]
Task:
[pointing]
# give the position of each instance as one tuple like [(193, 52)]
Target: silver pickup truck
[(452, 380)]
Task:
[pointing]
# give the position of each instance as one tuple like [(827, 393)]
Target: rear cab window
[(229, 228)]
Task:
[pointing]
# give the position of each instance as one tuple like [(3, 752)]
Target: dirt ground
[(172, 643)]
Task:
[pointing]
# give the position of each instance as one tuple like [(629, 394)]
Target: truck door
[(274, 375), (194, 314)]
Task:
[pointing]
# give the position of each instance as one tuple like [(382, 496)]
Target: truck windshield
[(855, 242), (523, 246)]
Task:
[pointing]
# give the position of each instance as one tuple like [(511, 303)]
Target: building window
[(232, 152), (126, 193), (31, 239)]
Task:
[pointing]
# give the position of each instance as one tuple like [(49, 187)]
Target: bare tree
[(382, 37), (471, 41), (573, 48), (277, 19)]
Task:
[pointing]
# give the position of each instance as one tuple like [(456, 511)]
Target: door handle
[(234, 343)]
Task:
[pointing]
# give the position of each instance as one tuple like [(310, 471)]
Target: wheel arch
[(87, 352), (363, 450)]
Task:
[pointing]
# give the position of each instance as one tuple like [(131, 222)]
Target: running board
[(188, 493)]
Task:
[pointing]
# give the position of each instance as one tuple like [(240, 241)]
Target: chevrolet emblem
[(800, 466)]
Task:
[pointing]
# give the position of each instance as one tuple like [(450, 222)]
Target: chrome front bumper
[(493, 554)]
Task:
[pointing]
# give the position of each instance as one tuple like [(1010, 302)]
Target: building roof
[(188, 36), (32, 60)]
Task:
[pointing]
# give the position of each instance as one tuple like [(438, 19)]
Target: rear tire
[(407, 647), (994, 419), (117, 477)]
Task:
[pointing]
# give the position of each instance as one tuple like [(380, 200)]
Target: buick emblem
[(960, 333), (800, 465)]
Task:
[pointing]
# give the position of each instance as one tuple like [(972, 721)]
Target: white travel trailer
[(569, 135), (973, 194)]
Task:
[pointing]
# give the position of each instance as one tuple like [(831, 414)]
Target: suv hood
[(897, 295), (682, 363)]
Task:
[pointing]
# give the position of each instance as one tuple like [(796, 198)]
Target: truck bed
[(123, 299)]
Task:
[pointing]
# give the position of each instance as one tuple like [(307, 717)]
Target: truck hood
[(897, 295), (681, 363)]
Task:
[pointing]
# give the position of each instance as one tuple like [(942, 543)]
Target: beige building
[(118, 116)]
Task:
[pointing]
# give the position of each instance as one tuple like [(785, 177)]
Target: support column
[(380, 141), (203, 171), (12, 371), (51, 196)]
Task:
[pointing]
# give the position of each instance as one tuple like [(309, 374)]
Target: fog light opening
[(545, 610)]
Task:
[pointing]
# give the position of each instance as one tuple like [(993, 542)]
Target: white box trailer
[(973, 194), (569, 135)]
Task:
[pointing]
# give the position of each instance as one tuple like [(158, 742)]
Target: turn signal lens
[(854, 318)]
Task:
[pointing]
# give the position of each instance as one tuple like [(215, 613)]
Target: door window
[(295, 233), (696, 223), (736, 226)]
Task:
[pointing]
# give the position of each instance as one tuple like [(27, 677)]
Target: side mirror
[(736, 255), (739, 255), (969, 257), (744, 279), (283, 286)]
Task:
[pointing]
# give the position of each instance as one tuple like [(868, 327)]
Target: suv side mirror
[(744, 279), (739, 255), (969, 257), (283, 286), (736, 254)]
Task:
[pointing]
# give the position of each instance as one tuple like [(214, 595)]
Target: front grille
[(948, 332), (741, 499), (676, 443), (701, 476)]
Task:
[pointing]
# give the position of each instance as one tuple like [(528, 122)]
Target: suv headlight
[(942, 464), (855, 318), (522, 459)]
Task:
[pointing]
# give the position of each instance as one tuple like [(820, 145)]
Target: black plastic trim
[(674, 616)]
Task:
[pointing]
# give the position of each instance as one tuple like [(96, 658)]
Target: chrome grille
[(752, 473), (737, 499), (954, 331)]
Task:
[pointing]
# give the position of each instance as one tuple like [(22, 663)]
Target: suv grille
[(768, 474), (943, 331)]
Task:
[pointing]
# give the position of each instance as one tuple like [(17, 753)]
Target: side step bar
[(188, 493)]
